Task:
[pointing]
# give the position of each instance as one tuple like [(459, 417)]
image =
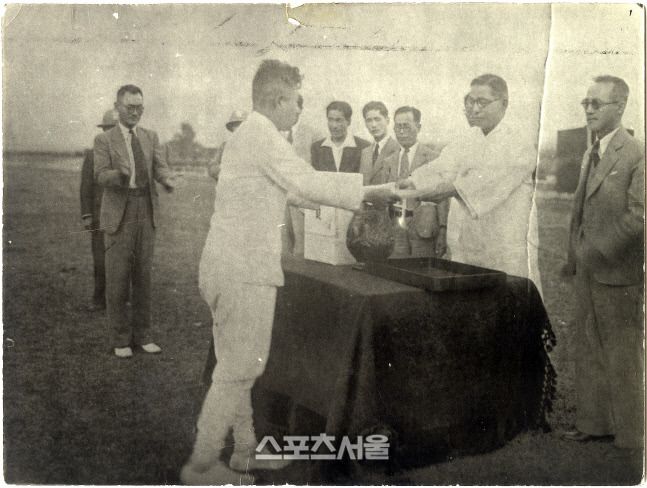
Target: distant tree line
[(184, 150)]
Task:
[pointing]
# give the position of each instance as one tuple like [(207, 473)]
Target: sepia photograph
[(323, 244)]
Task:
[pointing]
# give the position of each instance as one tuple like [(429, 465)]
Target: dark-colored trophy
[(370, 235)]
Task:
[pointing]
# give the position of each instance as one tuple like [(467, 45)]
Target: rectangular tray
[(435, 274)]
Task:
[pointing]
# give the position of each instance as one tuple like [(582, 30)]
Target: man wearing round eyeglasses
[(606, 254), (128, 160), (488, 172)]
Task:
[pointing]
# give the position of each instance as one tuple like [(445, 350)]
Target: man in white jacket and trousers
[(241, 265), (492, 218)]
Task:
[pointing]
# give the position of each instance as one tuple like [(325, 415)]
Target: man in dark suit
[(606, 253), (376, 118), (420, 228), (90, 194), (340, 152), (127, 161)]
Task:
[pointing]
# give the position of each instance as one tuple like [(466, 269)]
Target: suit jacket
[(426, 217), (90, 191), (111, 163), (607, 226), (389, 166), (371, 171), (323, 160)]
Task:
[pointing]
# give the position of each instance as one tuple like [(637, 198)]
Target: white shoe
[(217, 474), (151, 348), (244, 460), (123, 352)]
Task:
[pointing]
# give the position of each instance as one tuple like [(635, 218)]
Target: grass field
[(76, 414)]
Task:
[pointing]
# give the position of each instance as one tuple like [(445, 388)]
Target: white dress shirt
[(604, 142), (338, 150), (381, 144), (411, 155), (126, 132)]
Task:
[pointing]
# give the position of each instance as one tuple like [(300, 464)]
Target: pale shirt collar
[(412, 154), (126, 132), (382, 143), (604, 142), (337, 151)]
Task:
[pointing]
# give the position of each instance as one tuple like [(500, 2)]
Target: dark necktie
[(376, 153), (404, 164), (594, 156), (141, 173), (290, 138)]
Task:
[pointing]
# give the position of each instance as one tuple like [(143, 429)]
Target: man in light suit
[(420, 228), (487, 171), (376, 118), (606, 253), (240, 268), (340, 151), (127, 161), (90, 194)]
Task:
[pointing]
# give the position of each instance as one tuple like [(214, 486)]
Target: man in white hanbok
[(488, 171), (240, 268)]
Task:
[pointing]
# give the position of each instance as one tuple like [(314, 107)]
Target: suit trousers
[(129, 257), (609, 360), (98, 260), (408, 244)]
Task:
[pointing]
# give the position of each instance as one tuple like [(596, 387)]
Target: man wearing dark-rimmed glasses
[(606, 254), (128, 160), (488, 174)]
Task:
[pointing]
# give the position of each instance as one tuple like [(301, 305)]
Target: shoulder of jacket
[(318, 143), (634, 145), (361, 143)]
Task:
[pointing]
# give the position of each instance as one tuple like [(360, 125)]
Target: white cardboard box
[(325, 235)]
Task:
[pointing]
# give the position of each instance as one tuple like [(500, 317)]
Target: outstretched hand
[(405, 184), (381, 196)]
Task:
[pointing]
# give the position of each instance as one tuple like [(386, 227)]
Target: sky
[(62, 64)]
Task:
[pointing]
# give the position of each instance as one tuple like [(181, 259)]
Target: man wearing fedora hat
[(90, 194), (237, 117)]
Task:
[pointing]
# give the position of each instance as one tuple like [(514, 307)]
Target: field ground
[(75, 414)]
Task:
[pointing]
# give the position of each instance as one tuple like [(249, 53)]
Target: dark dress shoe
[(577, 436)]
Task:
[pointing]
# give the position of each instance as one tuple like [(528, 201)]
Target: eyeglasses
[(594, 103), (134, 108), (403, 128), (479, 102)]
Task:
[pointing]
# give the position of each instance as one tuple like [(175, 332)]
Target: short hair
[(343, 107), (271, 79), (129, 89), (620, 88), (300, 101), (406, 109), (497, 84), (379, 106)]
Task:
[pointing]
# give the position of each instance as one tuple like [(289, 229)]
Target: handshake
[(382, 195)]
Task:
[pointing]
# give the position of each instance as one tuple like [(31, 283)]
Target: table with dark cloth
[(442, 373)]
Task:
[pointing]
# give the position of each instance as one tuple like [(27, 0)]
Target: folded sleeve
[(486, 187)]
